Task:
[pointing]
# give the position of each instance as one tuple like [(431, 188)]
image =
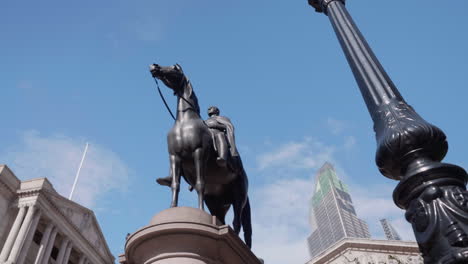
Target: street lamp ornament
[(321, 5), (409, 149), (204, 153)]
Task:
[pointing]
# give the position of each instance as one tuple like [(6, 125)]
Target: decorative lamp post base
[(409, 149)]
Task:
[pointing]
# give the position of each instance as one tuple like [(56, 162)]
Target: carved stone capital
[(321, 5)]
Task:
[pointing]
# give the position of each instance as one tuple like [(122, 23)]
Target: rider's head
[(213, 110)]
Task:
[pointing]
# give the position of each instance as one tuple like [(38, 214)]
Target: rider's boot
[(165, 181)]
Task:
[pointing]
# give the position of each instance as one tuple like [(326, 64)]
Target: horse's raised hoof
[(166, 181)]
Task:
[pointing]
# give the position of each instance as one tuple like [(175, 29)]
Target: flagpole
[(78, 172)]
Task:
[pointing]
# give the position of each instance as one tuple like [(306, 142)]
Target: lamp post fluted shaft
[(409, 149)]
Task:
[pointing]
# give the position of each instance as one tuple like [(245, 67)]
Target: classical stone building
[(370, 251), (39, 226)]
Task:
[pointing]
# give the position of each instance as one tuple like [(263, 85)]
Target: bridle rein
[(178, 96)]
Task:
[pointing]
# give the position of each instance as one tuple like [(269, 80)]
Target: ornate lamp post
[(409, 150)]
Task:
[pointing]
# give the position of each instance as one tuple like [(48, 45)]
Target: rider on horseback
[(222, 132), (223, 135)]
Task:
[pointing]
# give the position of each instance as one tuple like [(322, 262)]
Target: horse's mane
[(191, 95)]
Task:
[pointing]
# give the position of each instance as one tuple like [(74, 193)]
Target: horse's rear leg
[(217, 208), (199, 161), (175, 173)]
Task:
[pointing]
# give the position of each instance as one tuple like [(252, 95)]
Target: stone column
[(49, 247), (19, 242), (43, 244), (12, 235), (29, 239), (62, 251), (66, 257)]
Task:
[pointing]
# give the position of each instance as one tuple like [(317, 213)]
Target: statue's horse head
[(172, 76)]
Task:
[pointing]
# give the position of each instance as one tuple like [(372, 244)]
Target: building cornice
[(368, 245), (8, 180), (90, 212)]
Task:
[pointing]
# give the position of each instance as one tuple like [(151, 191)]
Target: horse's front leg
[(175, 174), (198, 158)]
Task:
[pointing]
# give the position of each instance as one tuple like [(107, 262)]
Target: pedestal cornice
[(184, 234)]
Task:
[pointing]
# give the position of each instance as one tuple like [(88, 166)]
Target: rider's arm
[(213, 124)]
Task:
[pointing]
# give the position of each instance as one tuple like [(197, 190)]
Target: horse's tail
[(247, 224)]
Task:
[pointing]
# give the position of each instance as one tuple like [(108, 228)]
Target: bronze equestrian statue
[(204, 153)]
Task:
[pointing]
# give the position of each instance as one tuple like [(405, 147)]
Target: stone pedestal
[(185, 235)]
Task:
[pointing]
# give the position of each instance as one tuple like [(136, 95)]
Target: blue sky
[(76, 72)]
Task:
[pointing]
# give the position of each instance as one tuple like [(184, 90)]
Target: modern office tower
[(332, 213), (390, 232)]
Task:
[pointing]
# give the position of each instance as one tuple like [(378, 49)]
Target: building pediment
[(82, 219)]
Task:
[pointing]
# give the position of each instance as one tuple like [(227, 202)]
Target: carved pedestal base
[(186, 235)]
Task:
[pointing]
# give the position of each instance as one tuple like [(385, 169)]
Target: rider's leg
[(165, 181), (222, 148)]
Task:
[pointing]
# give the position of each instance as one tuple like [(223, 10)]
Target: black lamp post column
[(409, 149)]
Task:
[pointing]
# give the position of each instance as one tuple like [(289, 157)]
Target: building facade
[(332, 214), (390, 232), (39, 226), (369, 251)]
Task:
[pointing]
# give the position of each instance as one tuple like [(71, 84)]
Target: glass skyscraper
[(332, 213)]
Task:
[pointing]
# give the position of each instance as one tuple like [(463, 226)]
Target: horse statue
[(192, 155)]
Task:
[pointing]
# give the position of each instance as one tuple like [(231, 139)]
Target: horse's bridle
[(163, 99), (178, 96)]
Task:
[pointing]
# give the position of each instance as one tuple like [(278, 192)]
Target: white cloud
[(306, 154), (280, 221), (57, 158), (336, 126)]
